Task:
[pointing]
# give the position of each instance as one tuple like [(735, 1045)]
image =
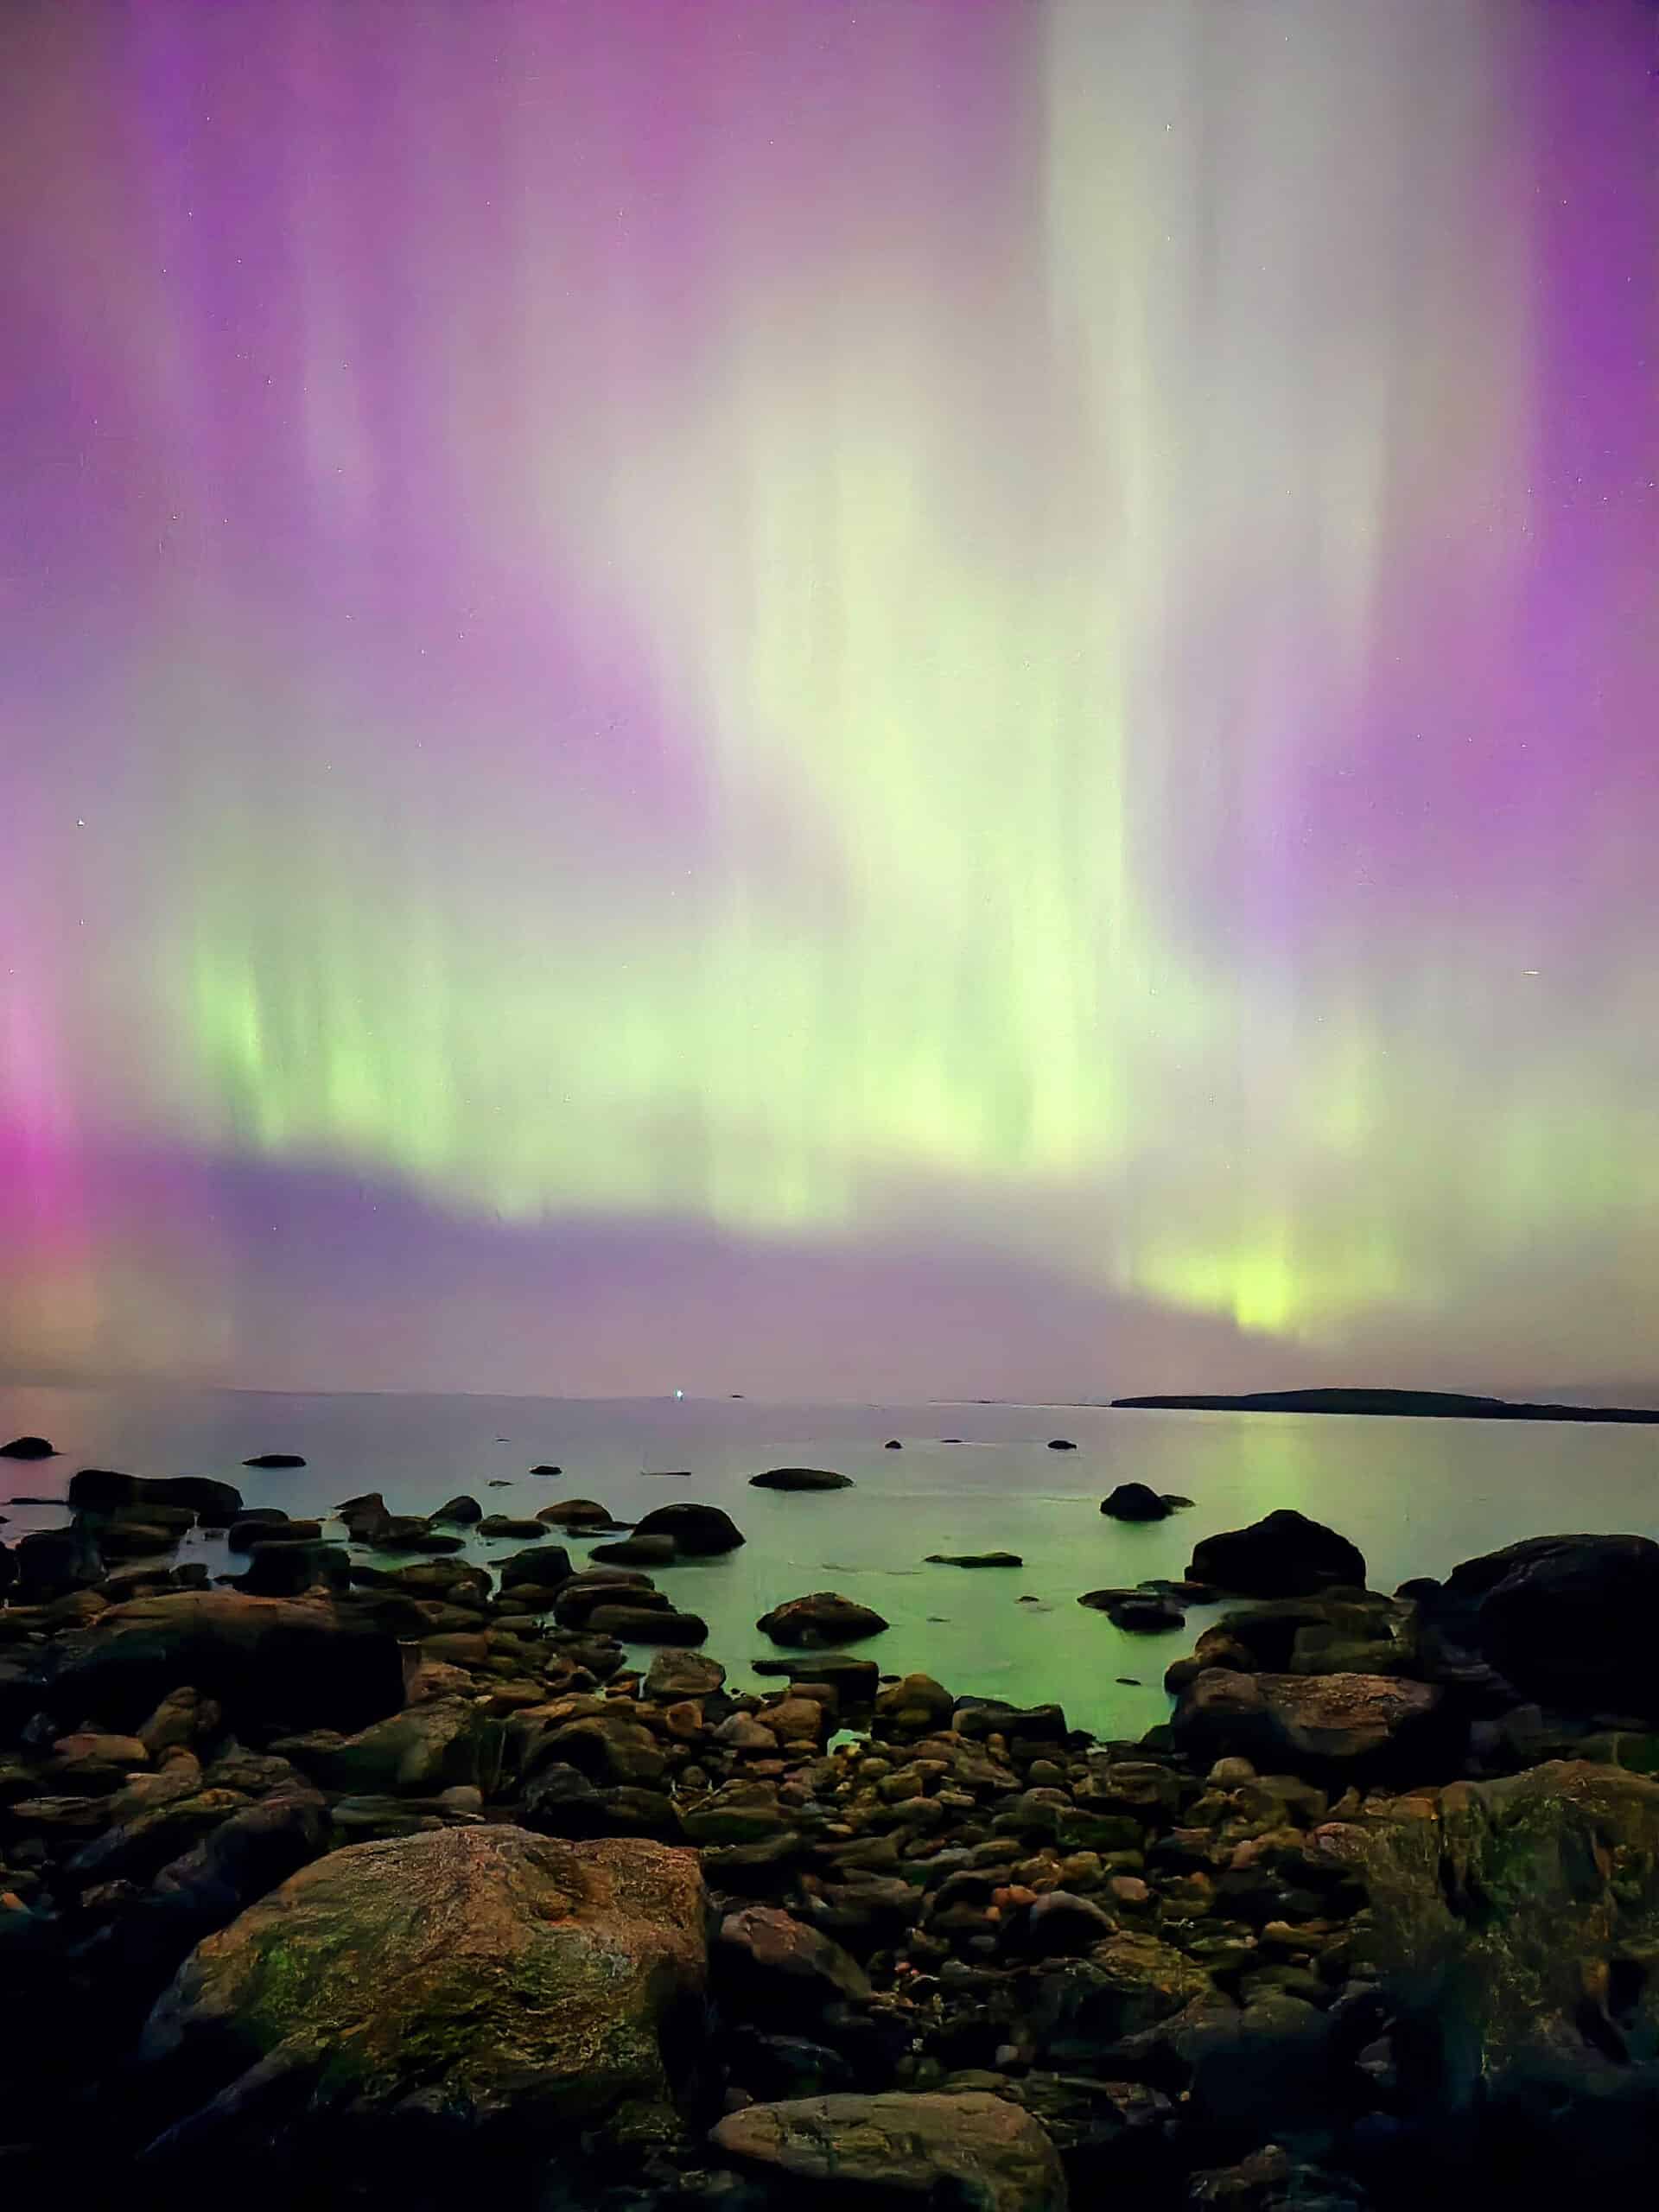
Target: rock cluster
[(359, 1889)]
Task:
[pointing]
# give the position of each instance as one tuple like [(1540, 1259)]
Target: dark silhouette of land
[(1425, 1405)]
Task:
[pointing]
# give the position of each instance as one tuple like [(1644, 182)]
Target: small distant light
[(80, 823), (679, 1394)]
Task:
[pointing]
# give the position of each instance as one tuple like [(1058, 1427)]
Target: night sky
[(830, 699)]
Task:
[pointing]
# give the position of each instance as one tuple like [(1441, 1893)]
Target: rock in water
[(1568, 1619), (824, 1616), (700, 1531), (1134, 1502), (1061, 1444), (544, 1469), (893, 1444), (1284, 1556), (459, 1512), (275, 1460), (28, 1447), (800, 1478), (103, 1490), (971, 2149), (974, 1559), (470, 1984)]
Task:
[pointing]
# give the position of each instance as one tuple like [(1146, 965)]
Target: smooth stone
[(800, 1478)]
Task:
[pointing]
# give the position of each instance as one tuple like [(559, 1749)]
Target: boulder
[(275, 1460), (1141, 1612), (978, 2151), (854, 1681), (1373, 1723), (258, 1524), (472, 1987), (28, 1447), (823, 1617), (770, 1967), (283, 1566), (1134, 1502), (1283, 1555), (442, 1743), (459, 1512), (632, 1623), (700, 1531), (546, 1567), (800, 1478), (263, 1661), (1567, 1620), (495, 1525), (674, 1674), (638, 1551), (893, 1444), (915, 1705), (1128, 1983), (578, 1513), (1514, 1924), (102, 1490)]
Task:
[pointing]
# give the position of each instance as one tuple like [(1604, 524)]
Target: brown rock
[(981, 2150)]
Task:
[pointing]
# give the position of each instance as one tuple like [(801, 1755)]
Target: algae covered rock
[(466, 1982)]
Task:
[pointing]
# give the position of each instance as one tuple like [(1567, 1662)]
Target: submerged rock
[(824, 1616), (275, 1460), (1134, 1502), (974, 1559), (800, 1478), (1283, 1555), (638, 1551), (1061, 1444), (473, 1983)]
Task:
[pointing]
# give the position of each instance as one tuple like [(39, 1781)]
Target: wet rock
[(581, 1596), (547, 1567), (674, 1674), (283, 1568), (800, 1478), (504, 1524), (971, 2149), (740, 1813), (770, 1967), (578, 1513), (700, 1531), (1061, 1926), (530, 1982), (638, 1551), (1134, 1502), (430, 1746), (1283, 1555), (1378, 1722), (974, 1559), (632, 1623), (275, 1460), (824, 1616), (261, 1659), (184, 1718), (1139, 1611), (462, 1512), (1565, 1618), (256, 1523), (101, 1489), (1128, 1983), (912, 1707)]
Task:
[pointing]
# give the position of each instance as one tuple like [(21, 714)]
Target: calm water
[(1417, 1496)]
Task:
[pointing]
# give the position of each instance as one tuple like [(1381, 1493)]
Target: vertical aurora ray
[(825, 621)]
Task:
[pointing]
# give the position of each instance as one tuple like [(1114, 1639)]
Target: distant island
[(1425, 1405)]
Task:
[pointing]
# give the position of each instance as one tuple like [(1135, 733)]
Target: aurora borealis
[(788, 695)]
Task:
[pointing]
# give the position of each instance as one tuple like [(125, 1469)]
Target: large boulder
[(824, 1616), (1369, 1723), (266, 1661), (979, 2152), (1567, 1620), (1515, 1924), (103, 1490), (1283, 1555), (470, 1988), (699, 1531)]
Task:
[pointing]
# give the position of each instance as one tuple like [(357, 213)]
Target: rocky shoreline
[(367, 1880)]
